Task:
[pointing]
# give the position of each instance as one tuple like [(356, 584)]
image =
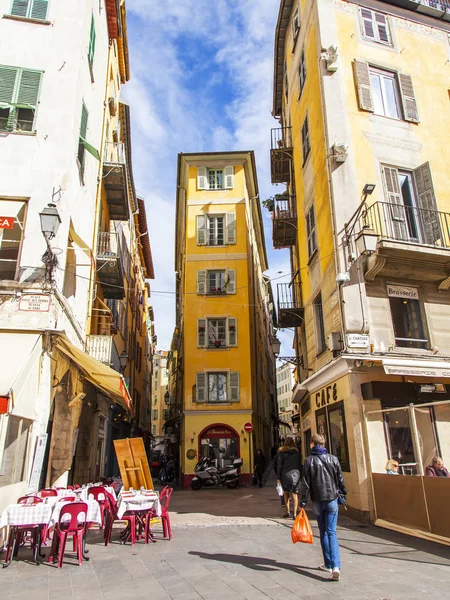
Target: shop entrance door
[(220, 443)]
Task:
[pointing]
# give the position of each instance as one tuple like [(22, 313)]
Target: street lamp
[(167, 398), (276, 345), (123, 361), (50, 221), (366, 241)]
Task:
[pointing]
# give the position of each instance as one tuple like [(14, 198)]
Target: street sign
[(248, 427), (35, 302), (358, 340)]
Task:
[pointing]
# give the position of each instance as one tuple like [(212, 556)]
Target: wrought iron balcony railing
[(290, 310), (284, 217), (110, 269), (281, 154), (115, 179), (410, 224), (103, 348)]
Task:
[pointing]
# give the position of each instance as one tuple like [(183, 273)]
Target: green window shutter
[(28, 91), (39, 9), (429, 217), (201, 282), (20, 8), (200, 388), (201, 333), (232, 332), (92, 42), (8, 76), (234, 386), (84, 121)]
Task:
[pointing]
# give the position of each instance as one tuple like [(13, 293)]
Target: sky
[(201, 81)]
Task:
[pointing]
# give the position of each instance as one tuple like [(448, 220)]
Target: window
[(319, 325), (375, 26), (217, 387), (386, 93), (216, 282), (216, 230), (410, 213), (295, 23), (330, 423), (11, 237), (286, 81), (91, 50), (155, 400), (302, 73), (306, 146), (407, 320), (154, 429), (31, 9), (19, 93), (13, 468), (386, 101), (155, 414), (311, 231), (215, 179), (217, 332)]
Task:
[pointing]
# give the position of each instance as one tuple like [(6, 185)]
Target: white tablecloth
[(20, 514), (93, 514), (138, 502), (82, 493)]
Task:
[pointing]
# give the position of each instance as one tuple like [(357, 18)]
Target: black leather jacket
[(318, 482)]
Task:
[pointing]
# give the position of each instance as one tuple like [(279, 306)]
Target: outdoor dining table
[(82, 493), (44, 514), (139, 503)]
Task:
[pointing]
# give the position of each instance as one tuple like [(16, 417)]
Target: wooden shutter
[(232, 332), (230, 281), (362, 78), (8, 77), (231, 228), (84, 121), (382, 28), (368, 27), (229, 178), (202, 178), (29, 88), (39, 9), (201, 282), (200, 388), (20, 8), (410, 111), (201, 333), (395, 213), (91, 51), (202, 230), (234, 386), (428, 216)]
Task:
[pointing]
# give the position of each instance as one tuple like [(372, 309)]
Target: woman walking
[(260, 466), (288, 474)]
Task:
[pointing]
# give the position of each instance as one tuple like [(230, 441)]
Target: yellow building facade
[(221, 357), (359, 88)]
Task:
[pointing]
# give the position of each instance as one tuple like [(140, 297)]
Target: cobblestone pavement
[(231, 544)]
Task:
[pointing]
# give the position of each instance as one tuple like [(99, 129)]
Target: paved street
[(224, 548)]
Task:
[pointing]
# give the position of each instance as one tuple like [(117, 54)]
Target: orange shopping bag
[(301, 530)]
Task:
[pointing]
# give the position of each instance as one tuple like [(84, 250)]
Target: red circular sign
[(248, 427)]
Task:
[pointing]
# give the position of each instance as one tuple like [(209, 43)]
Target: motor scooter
[(208, 475)]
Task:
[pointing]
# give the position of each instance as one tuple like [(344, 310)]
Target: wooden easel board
[(133, 464)]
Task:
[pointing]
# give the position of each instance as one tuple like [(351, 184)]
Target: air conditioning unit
[(334, 341)]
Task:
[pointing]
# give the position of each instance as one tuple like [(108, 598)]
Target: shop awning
[(299, 393), (416, 368), (108, 381)]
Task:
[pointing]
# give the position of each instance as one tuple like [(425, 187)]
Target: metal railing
[(103, 348), (288, 295), (280, 137), (108, 245), (284, 208), (440, 5), (115, 153), (407, 224)]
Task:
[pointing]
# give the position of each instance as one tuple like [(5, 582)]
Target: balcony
[(115, 179), (281, 155), (415, 241), (103, 348), (439, 9), (110, 265), (290, 311), (284, 217)]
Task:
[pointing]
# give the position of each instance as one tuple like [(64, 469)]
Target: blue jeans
[(327, 515)]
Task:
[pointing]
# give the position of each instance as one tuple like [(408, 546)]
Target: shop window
[(12, 223), (407, 319), (13, 466), (220, 444), (330, 423)]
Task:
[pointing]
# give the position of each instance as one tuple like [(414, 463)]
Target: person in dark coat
[(288, 474), (260, 466)]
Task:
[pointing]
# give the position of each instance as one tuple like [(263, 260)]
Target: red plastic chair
[(67, 499), (70, 487), (74, 527), (47, 493), (165, 519), (29, 500), (101, 496), (76, 486), (24, 533)]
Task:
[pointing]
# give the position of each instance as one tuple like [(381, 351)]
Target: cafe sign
[(334, 392), (402, 291)]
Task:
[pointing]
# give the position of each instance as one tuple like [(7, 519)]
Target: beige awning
[(108, 381)]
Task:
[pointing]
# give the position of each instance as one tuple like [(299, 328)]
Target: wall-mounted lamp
[(50, 221), (366, 241), (368, 189), (123, 361), (167, 398), (276, 345)]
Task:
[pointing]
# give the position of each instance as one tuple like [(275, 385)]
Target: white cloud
[(202, 74)]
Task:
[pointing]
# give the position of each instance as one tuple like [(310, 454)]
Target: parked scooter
[(207, 475)]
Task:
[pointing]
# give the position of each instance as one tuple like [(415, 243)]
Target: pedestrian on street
[(260, 465), (322, 478), (288, 474)]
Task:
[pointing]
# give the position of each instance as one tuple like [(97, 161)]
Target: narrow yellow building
[(223, 370), (361, 90)]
